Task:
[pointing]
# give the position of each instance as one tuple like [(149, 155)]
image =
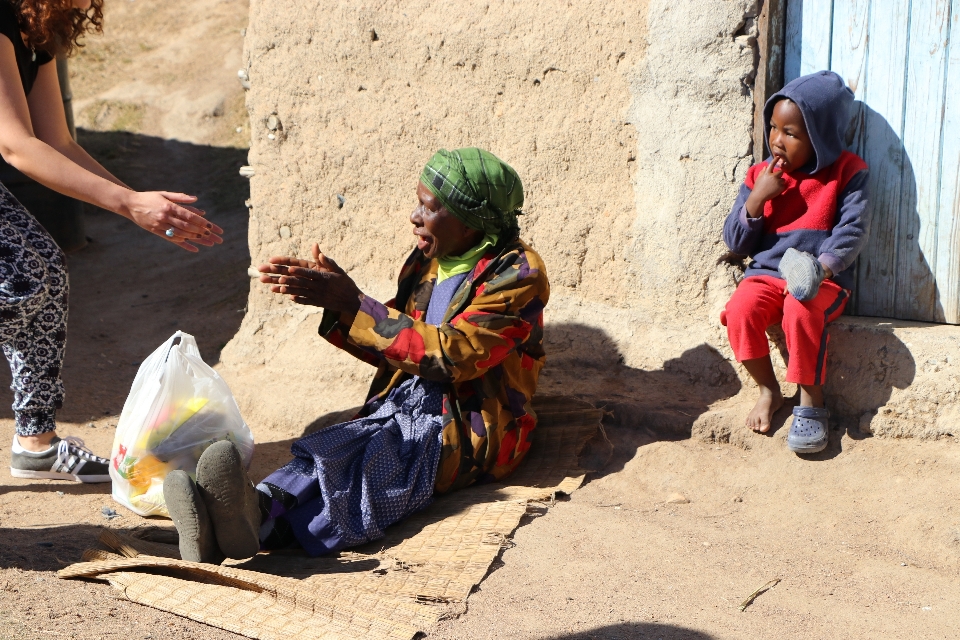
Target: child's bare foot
[(761, 415), (771, 398)]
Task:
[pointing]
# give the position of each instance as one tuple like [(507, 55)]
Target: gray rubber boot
[(231, 500), (809, 432), (197, 541), (803, 274)]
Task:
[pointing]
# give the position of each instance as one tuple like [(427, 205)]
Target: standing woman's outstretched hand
[(159, 211), (34, 138)]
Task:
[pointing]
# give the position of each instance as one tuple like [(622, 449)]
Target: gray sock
[(189, 514), (803, 274), (231, 500)]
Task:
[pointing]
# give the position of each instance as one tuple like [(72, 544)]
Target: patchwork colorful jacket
[(489, 350)]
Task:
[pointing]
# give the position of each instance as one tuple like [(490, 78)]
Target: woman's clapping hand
[(320, 283)]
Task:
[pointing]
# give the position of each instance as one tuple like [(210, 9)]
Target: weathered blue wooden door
[(898, 58)]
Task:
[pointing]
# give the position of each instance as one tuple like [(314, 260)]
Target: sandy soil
[(865, 537)]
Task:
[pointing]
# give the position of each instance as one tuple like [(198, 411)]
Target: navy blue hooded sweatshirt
[(823, 210)]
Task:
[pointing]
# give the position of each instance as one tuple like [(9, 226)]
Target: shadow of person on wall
[(584, 362), (865, 363), (642, 406), (895, 277)]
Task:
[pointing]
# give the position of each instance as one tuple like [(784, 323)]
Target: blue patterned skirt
[(354, 479)]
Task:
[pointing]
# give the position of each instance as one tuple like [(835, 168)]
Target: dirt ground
[(665, 542)]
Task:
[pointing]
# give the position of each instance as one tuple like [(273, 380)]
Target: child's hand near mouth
[(769, 185)]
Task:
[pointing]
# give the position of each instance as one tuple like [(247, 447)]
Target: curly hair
[(56, 26)]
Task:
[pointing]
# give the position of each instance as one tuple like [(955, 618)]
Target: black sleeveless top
[(27, 63)]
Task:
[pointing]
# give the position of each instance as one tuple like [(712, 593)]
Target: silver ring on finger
[(169, 232)]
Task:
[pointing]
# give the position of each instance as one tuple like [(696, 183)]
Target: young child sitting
[(802, 217)]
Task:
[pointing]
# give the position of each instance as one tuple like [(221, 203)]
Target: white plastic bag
[(177, 407)]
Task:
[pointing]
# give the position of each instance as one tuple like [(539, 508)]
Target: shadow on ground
[(130, 290), (46, 548), (636, 631), (641, 406), (66, 488)]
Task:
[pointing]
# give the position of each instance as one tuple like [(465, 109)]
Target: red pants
[(759, 302)]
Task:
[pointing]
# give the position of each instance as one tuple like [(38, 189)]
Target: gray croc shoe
[(809, 432), (231, 500), (189, 514)]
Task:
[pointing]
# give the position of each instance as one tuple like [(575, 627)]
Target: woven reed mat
[(392, 588)]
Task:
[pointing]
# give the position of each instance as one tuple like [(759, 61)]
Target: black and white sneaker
[(66, 459)]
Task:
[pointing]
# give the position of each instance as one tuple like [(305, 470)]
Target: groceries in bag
[(177, 407)]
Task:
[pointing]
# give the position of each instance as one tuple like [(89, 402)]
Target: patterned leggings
[(33, 315)]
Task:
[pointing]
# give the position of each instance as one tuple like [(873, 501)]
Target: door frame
[(771, 34)]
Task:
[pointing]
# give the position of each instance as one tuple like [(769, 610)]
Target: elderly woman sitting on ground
[(458, 353)]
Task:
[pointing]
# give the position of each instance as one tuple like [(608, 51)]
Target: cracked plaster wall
[(630, 124)]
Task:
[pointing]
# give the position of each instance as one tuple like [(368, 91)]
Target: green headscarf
[(477, 187)]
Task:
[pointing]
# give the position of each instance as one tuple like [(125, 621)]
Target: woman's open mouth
[(423, 242)]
